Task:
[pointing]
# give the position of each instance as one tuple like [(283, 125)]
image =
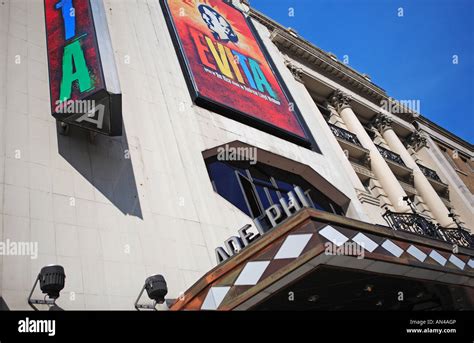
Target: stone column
[(378, 164), (335, 118), (422, 185)]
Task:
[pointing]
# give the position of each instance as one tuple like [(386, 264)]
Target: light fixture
[(63, 128), (410, 203), (369, 288), (451, 213), (156, 289), (454, 217), (51, 279)]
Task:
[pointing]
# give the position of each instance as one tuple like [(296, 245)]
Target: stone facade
[(114, 210)]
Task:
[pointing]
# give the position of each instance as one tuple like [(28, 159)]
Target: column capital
[(296, 71), (416, 140), (328, 105), (382, 122), (339, 100)]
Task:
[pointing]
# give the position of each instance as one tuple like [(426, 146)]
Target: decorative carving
[(339, 100), (382, 122), (296, 71), (416, 140), (328, 105)]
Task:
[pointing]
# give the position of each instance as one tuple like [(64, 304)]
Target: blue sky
[(411, 57)]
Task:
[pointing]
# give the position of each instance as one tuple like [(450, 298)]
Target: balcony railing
[(458, 236), (344, 134), (417, 224), (390, 155), (412, 223), (430, 173)]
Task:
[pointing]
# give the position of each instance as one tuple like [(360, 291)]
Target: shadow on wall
[(3, 305), (104, 161)]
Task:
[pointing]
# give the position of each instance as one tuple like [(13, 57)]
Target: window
[(250, 196), (226, 184), (254, 188)]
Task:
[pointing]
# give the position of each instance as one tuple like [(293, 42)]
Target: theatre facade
[(205, 142)]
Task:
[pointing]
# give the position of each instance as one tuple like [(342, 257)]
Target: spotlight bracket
[(144, 306), (51, 279), (46, 301)]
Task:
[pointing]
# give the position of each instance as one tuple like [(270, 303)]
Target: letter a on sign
[(82, 70), (89, 116)]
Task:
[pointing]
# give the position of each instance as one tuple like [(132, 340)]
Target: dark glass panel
[(256, 190), (274, 196), (262, 195), (250, 196), (226, 184)]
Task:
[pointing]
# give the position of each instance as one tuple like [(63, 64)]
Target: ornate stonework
[(382, 122), (416, 140), (366, 197), (339, 100), (328, 105), (296, 71)]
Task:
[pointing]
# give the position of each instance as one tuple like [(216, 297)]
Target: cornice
[(296, 71), (287, 40), (443, 132), (326, 65)]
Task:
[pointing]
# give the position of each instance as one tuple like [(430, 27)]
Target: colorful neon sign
[(79, 92), (228, 70)]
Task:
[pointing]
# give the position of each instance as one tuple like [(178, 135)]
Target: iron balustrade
[(415, 223), (411, 222), (390, 155), (458, 236), (430, 173), (344, 134)]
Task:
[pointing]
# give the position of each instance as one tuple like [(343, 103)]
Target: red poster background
[(56, 43), (185, 15)]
